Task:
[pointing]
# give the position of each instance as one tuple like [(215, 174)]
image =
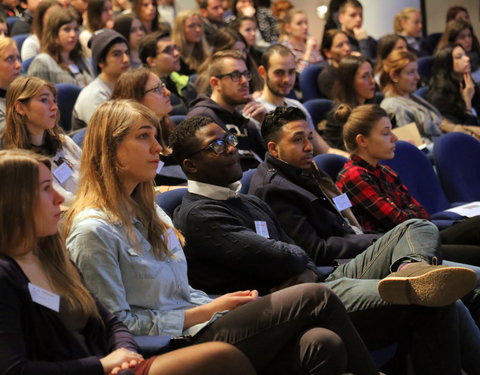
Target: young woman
[(335, 46), (451, 89), (147, 12), (132, 30), (408, 23), (189, 38), (461, 32), (99, 16), (304, 46), (123, 243), (399, 80), (380, 201), (9, 70), (51, 323), (61, 60), (385, 46), (355, 86), (32, 123), (246, 26)]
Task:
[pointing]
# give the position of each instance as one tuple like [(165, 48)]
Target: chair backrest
[(425, 67), (19, 39), (26, 65), (67, 95), (331, 164), (318, 109), (429, 43), (308, 81), (177, 119), (245, 180), (422, 92), (11, 21), (416, 172), (171, 199), (457, 158)]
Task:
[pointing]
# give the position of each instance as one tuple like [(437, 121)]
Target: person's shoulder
[(91, 220)]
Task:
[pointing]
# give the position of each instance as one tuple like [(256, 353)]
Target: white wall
[(437, 10)]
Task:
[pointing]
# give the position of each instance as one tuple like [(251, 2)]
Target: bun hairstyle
[(359, 120)]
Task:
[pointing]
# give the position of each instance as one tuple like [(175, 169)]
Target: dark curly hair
[(274, 121)]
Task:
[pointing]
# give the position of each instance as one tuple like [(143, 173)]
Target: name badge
[(342, 202), (63, 172), (44, 297), (160, 166), (261, 228)]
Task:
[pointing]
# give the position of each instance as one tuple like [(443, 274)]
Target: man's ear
[(150, 61), (262, 71), (203, 12), (214, 82), (340, 18), (189, 166), (272, 148)]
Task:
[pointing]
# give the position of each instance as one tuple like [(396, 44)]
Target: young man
[(350, 18), (278, 73), (234, 241), (229, 80), (111, 57), (212, 13), (158, 51)]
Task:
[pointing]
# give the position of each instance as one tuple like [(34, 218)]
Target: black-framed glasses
[(158, 89), (236, 75), (219, 146)]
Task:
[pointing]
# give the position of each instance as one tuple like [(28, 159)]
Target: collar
[(215, 192), (291, 172), (362, 163)]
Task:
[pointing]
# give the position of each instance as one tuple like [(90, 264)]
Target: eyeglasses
[(158, 89), (219, 146), (169, 49), (236, 75)]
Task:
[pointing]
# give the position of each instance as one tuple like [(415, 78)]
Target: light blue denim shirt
[(149, 295)]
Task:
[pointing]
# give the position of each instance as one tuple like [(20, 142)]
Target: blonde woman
[(9, 70), (32, 123), (131, 256), (189, 38), (408, 23), (51, 324)]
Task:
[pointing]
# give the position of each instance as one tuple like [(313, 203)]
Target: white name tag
[(261, 228), (342, 202), (44, 297), (160, 166), (63, 172)]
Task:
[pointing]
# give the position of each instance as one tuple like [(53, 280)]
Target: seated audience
[(110, 55), (304, 46), (461, 32), (355, 86), (408, 23), (188, 36), (241, 8), (131, 29), (229, 79), (99, 16), (147, 12), (122, 243), (247, 27), (161, 54), (278, 73), (32, 123), (451, 89), (212, 13), (386, 45), (350, 17), (9, 70), (379, 200), (267, 24), (10, 8), (44, 298), (335, 46), (457, 12), (233, 238), (24, 24), (62, 59)]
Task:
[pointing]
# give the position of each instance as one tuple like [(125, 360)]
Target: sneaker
[(423, 284)]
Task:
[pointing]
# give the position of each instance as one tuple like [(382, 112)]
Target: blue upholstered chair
[(67, 95), (331, 164), (318, 109), (429, 43), (245, 180), (19, 39), (11, 21), (457, 158), (425, 67), (177, 119), (422, 92), (26, 65), (169, 200), (308, 81)]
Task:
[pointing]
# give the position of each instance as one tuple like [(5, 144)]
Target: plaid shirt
[(380, 201)]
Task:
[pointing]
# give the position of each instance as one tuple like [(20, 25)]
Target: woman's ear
[(394, 76), (361, 141), (19, 108)]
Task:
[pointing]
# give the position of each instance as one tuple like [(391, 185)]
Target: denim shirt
[(149, 295)]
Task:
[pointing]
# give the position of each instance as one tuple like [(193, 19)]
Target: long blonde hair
[(19, 173), (194, 54), (101, 187)]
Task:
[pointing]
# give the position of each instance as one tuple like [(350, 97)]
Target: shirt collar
[(214, 191)]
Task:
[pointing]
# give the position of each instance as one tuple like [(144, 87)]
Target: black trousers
[(461, 241)]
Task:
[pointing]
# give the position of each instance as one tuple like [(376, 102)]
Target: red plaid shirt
[(380, 201)]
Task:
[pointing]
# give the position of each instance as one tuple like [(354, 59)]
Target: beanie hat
[(101, 40)]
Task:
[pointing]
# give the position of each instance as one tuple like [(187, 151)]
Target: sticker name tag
[(160, 166), (63, 172), (261, 228), (342, 202), (44, 297)]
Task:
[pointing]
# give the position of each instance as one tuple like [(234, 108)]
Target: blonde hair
[(394, 63), (19, 173), (402, 16), (16, 133), (287, 20), (194, 54), (5, 41), (101, 187)]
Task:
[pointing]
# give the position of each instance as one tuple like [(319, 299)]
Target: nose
[(126, 57), (394, 138), (18, 64), (308, 146), (166, 92), (57, 197), (156, 147), (54, 106)]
